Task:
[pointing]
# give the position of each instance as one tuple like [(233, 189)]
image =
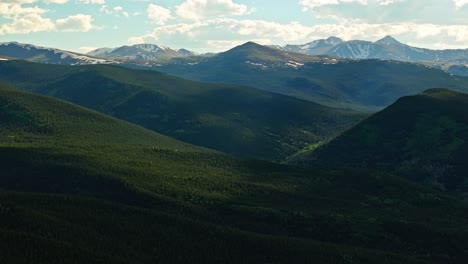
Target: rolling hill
[(81, 187), (422, 137), (233, 119), (358, 84)]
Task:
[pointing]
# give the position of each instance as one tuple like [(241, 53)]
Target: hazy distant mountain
[(386, 48), (358, 84), (141, 52), (30, 52)]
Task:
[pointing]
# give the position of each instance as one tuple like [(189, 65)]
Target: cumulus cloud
[(199, 9), (27, 24), (311, 4), (460, 3), (24, 19), (158, 14), (117, 11), (99, 2), (387, 2), (75, 23), (34, 1), (388, 11), (17, 9), (56, 1), (233, 31), (18, 1)]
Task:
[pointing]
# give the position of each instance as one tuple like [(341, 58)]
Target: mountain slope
[(358, 84), (47, 55), (316, 47), (422, 137), (237, 120), (100, 196)]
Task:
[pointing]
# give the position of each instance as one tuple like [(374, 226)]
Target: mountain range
[(363, 85), (454, 61), (15, 50), (367, 85), (149, 52), (385, 48), (128, 164)]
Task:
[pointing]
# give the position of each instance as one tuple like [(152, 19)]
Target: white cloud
[(27, 24), (441, 12), (388, 2), (18, 1), (311, 4), (117, 11), (158, 14), (56, 1), (75, 23), (7, 9), (99, 2), (199, 9), (225, 31), (460, 3), (23, 19)]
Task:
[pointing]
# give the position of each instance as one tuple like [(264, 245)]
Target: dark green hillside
[(80, 187), (422, 137), (233, 119), (357, 84)]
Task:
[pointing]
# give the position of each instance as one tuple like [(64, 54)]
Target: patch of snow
[(294, 64), (417, 50), (256, 64)]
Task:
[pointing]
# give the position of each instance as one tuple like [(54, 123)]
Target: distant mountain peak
[(388, 40), (150, 47), (250, 44), (333, 40), (247, 46), (141, 51)]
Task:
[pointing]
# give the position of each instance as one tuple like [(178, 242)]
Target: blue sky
[(216, 25)]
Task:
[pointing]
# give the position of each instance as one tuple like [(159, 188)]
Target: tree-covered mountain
[(81, 187), (238, 120), (358, 84), (422, 137)]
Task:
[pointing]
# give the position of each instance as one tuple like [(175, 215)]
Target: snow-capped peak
[(333, 41), (388, 40), (150, 47)]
